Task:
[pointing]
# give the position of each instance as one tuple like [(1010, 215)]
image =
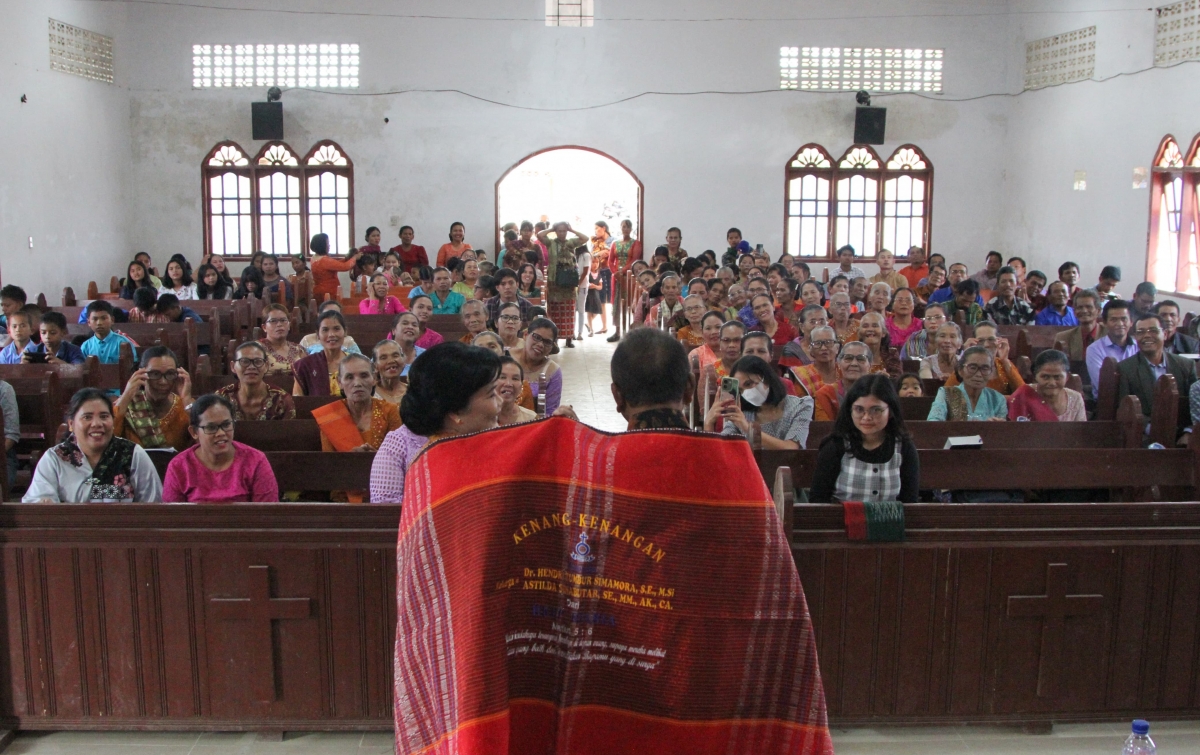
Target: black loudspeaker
[(869, 125), (268, 120)]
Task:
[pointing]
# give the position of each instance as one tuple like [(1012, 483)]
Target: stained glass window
[(858, 200), (275, 202)]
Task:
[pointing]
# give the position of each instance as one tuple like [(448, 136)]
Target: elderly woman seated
[(782, 420), (872, 330), (970, 398), (251, 397), (93, 465), (942, 362), (217, 469), (1049, 399), (152, 411), (451, 391), (390, 369), (1005, 378), (359, 422)]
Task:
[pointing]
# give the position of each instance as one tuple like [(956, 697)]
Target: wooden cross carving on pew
[(1053, 608), (261, 610)]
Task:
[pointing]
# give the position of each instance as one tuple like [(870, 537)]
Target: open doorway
[(575, 184)]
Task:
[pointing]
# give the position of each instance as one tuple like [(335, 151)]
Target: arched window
[(329, 173), (858, 200), (275, 202), (229, 221), (1171, 259), (279, 200), (809, 175)]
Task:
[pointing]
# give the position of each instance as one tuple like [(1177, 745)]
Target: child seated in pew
[(54, 348), (145, 307), (105, 343), (170, 310), (12, 299), (909, 386), (20, 334)]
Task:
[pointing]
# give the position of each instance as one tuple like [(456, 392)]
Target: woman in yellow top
[(358, 422), (152, 411)]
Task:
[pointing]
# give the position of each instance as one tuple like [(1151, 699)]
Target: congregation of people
[(766, 348)]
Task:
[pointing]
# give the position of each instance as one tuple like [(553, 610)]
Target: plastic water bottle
[(1139, 742)]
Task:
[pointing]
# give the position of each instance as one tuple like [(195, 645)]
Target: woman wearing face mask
[(783, 420), (451, 391)]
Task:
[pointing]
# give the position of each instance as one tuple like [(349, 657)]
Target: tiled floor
[(1068, 739), (586, 387)]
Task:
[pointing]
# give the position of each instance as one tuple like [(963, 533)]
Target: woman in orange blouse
[(456, 247), (325, 269)]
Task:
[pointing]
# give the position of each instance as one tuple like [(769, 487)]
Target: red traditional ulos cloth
[(590, 593)]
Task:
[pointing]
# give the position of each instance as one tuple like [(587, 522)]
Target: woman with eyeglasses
[(282, 354), (218, 469), (541, 371), (508, 326), (152, 411), (823, 369), (922, 343), (869, 456), (971, 399), (92, 465), (251, 397)]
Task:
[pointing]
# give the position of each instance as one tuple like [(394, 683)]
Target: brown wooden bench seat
[(306, 470)]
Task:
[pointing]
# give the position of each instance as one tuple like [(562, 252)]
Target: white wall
[(1106, 129), (1003, 165), (707, 162), (66, 158)]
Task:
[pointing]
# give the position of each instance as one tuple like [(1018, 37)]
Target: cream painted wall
[(66, 164)]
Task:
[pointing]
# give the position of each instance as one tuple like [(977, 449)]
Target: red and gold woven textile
[(577, 595)]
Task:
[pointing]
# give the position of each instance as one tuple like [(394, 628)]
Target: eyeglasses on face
[(535, 338), (276, 321), (1147, 332), (510, 318), (255, 362), (220, 427), (981, 369), (823, 344), (169, 376), (876, 412)]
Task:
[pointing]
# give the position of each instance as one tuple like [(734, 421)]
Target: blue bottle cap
[(1141, 727)]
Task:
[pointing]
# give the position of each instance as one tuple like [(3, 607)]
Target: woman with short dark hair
[(1048, 399), (93, 465), (451, 391), (545, 375), (869, 456), (316, 374), (217, 469)]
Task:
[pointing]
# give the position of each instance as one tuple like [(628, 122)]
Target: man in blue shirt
[(54, 346), (445, 301), (1057, 312), (955, 275), (1115, 343), (168, 305), (105, 344), (20, 331)]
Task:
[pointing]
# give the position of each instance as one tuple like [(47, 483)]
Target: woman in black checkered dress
[(869, 456)]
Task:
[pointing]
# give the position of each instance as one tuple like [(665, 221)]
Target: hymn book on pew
[(957, 442)]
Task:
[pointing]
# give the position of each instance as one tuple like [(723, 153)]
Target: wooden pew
[(1026, 469), (306, 470), (916, 407), (1124, 433), (279, 435), (40, 406), (71, 377), (204, 381), (306, 404), (936, 629)]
